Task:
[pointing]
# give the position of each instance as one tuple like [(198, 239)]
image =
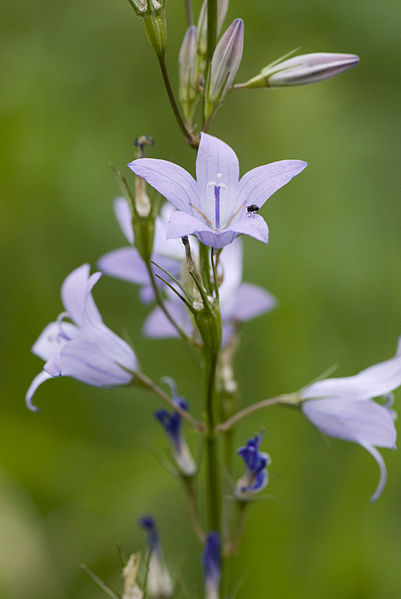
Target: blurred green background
[(79, 83)]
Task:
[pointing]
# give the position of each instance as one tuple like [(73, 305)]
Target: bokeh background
[(79, 83)]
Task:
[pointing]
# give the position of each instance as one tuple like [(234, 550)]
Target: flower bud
[(303, 69), (222, 6), (188, 73), (225, 64), (153, 17)]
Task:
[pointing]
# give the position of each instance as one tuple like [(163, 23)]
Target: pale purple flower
[(212, 565), (217, 206), (239, 302), (344, 408), (85, 348), (126, 263)]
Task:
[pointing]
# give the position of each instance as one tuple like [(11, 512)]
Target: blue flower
[(212, 565), (256, 476), (171, 422)]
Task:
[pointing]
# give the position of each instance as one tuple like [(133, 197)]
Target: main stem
[(211, 29), (212, 458)]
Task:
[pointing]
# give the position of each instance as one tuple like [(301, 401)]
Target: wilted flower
[(343, 408), (152, 14), (130, 571), (256, 475), (224, 66), (303, 69), (217, 206), (159, 583), (85, 348), (172, 424), (212, 565)]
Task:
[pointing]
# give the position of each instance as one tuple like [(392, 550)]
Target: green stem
[(211, 30), (189, 138), (212, 458), (189, 13), (204, 265)]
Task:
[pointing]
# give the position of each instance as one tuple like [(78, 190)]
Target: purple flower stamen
[(217, 206)]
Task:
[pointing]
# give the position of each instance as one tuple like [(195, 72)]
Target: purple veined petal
[(126, 264), (253, 225), (383, 470), (182, 224), (379, 379), (52, 338), (249, 302), (216, 163), (85, 361), (169, 179), (37, 381), (352, 420), (76, 295), (257, 185), (124, 218), (52, 365)]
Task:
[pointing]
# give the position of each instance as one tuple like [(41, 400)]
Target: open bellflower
[(218, 205), (303, 69), (344, 408), (85, 348), (172, 424), (159, 583), (256, 476), (212, 565)]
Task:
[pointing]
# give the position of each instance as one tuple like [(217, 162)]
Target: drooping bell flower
[(84, 348), (344, 408), (218, 205), (256, 475)]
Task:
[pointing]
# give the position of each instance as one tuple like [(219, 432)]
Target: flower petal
[(124, 218), (76, 295), (171, 180), (216, 157), (249, 302), (374, 381), (37, 381), (253, 225), (126, 264), (383, 470), (52, 338), (352, 420), (257, 185), (182, 224), (157, 324)]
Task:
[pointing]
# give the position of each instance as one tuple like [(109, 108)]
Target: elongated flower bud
[(303, 69), (212, 565), (222, 6), (256, 476), (225, 64), (159, 584), (130, 571), (188, 73)]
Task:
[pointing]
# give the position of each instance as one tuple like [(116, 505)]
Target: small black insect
[(252, 208)]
